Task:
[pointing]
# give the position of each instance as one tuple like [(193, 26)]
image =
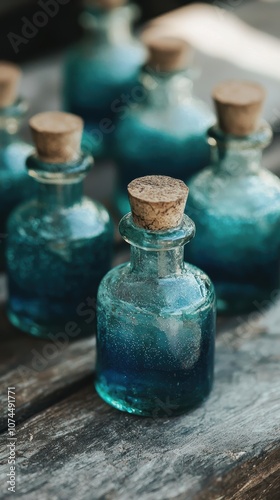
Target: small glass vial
[(15, 185), (104, 66), (164, 130), (59, 244), (156, 314), (235, 203)]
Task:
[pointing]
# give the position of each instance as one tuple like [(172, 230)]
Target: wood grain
[(43, 372), (72, 445), (81, 448), (257, 479)]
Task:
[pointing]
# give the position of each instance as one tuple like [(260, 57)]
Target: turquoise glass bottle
[(163, 129), (235, 204), (103, 67), (156, 314), (60, 243), (15, 185)]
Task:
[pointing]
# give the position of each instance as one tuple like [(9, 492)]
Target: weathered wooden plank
[(81, 448), (43, 371), (257, 479)]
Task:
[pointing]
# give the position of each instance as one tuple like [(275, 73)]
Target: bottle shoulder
[(178, 121), (190, 291), (251, 194), (87, 219)]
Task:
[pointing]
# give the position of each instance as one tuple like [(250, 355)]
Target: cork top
[(106, 4), (239, 106), (57, 136), (10, 75), (168, 54), (157, 202)]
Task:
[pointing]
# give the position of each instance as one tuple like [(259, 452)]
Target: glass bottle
[(103, 67), (163, 130), (15, 184), (235, 204), (60, 243), (156, 314)]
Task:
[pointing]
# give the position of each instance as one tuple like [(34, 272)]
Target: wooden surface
[(71, 445)]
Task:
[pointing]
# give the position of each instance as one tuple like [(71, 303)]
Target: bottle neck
[(113, 27), (159, 264), (167, 89), (60, 195), (157, 254), (59, 185), (233, 155), (237, 162)]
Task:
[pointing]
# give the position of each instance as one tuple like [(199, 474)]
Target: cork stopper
[(157, 202), (10, 75), (168, 54), (239, 106), (106, 4), (57, 136)]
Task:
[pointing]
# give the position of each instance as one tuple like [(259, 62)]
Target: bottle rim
[(59, 172), (259, 139), (156, 240)]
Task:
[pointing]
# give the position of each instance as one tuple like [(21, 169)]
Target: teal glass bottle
[(163, 130), (102, 67), (15, 185), (156, 314), (60, 243), (235, 204)]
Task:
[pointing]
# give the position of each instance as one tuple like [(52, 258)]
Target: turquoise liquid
[(55, 264), (156, 330), (100, 72), (237, 236), (141, 372), (93, 85)]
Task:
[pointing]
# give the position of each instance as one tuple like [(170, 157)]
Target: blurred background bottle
[(235, 203), (60, 243), (15, 185), (163, 130), (103, 66)]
